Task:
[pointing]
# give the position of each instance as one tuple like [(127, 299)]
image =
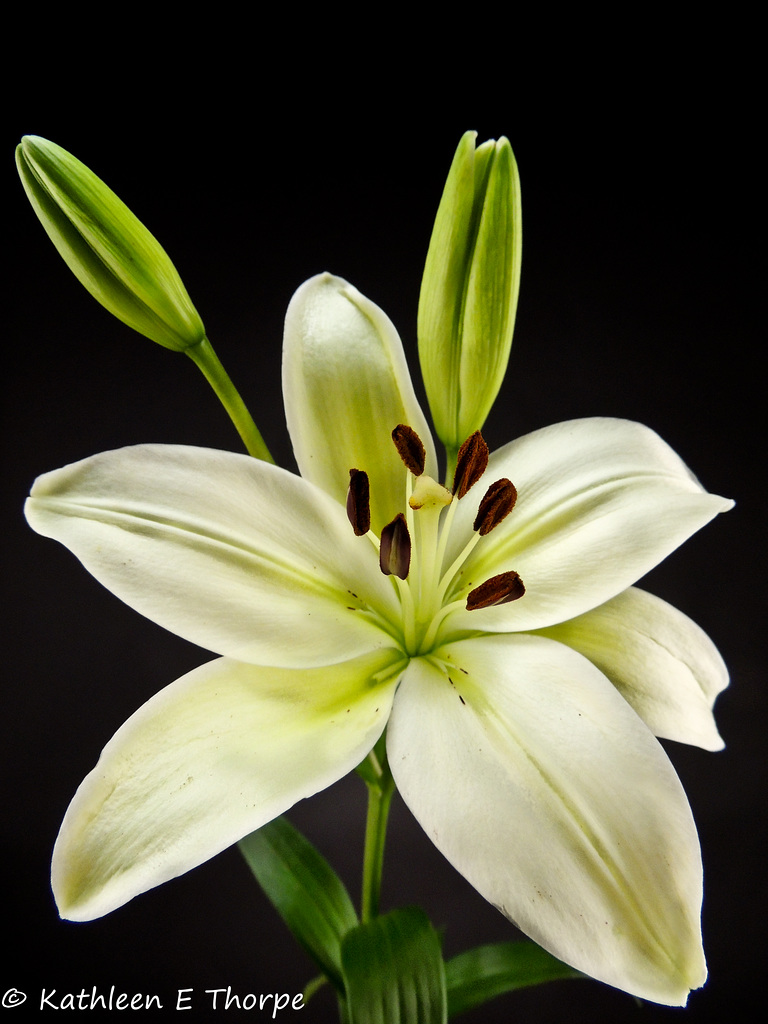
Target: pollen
[(501, 589), (395, 550), (498, 502), (359, 502), (410, 448), (471, 463)]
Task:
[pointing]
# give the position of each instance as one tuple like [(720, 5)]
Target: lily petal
[(660, 661), (210, 758), (539, 783), (346, 386), (600, 503), (229, 552)]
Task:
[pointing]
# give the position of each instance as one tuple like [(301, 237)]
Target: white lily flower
[(517, 669)]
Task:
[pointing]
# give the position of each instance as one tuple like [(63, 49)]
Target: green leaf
[(480, 974), (305, 890), (394, 971)]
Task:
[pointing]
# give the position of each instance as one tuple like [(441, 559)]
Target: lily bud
[(107, 248), (469, 289)]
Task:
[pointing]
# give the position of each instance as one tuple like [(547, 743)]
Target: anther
[(359, 502), (498, 502), (470, 463), (395, 549), (410, 448), (501, 589)]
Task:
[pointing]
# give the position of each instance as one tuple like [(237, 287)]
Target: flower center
[(412, 548)]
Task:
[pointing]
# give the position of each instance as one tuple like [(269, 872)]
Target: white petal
[(346, 387), (212, 757), (545, 790), (600, 503), (660, 661), (229, 552)]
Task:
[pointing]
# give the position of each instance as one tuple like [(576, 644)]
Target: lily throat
[(412, 547)]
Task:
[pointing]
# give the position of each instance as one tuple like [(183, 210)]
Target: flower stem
[(381, 786), (208, 362), (451, 456)]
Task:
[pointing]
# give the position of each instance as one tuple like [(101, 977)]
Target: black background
[(642, 242)]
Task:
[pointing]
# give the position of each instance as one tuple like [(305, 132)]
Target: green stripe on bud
[(107, 248), (470, 286)]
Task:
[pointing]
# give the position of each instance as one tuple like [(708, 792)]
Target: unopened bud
[(470, 286), (107, 248)]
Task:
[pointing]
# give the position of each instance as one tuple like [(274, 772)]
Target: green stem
[(451, 455), (381, 787), (312, 986), (208, 362)]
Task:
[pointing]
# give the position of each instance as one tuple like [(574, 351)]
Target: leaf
[(304, 889), (394, 971), (480, 974)]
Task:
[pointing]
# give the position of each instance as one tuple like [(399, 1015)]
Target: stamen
[(410, 448), (470, 463), (498, 502), (501, 589), (359, 502), (395, 551)]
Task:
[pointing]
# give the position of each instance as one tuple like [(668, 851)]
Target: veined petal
[(346, 387), (229, 552), (600, 503), (539, 783), (210, 758), (660, 661)]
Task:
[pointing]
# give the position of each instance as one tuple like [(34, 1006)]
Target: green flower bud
[(108, 249), (469, 289)]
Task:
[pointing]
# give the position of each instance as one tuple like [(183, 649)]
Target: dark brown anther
[(470, 464), (498, 502), (395, 551), (501, 589), (409, 448), (359, 502)]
